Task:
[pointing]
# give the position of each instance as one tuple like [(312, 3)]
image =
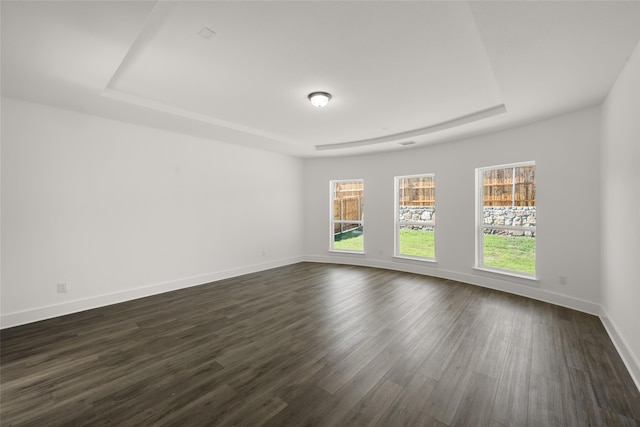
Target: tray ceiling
[(240, 72)]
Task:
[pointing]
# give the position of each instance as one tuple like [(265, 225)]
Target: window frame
[(480, 226), (398, 224), (333, 222)]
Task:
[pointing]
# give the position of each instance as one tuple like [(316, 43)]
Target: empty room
[(320, 213)]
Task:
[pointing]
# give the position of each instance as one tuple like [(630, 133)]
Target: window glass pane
[(514, 186), (525, 186), (348, 237), (416, 216), (348, 203), (508, 222), (417, 191), (348, 215), (417, 241), (498, 187), (509, 250)]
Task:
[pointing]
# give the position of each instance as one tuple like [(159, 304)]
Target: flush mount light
[(319, 99)]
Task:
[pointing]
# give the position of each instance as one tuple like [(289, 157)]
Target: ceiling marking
[(206, 33)]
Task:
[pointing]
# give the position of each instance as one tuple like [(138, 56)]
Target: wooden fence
[(514, 186), (348, 205), (417, 191), (510, 186)]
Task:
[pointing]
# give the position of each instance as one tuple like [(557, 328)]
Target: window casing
[(347, 216), (415, 217), (506, 219)]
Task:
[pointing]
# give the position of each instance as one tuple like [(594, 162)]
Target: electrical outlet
[(62, 288), (563, 280)]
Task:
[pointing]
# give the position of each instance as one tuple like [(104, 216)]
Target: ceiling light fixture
[(319, 99)]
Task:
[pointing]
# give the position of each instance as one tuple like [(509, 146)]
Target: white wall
[(566, 151), (119, 211), (621, 201)]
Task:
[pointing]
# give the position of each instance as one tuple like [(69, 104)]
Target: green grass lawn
[(412, 243), (510, 253), (349, 241), (417, 243), (352, 244)]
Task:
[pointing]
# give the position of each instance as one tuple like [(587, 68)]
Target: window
[(347, 215), (415, 211), (506, 218)]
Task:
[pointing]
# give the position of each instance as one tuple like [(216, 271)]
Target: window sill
[(411, 258), (338, 251), (507, 273)]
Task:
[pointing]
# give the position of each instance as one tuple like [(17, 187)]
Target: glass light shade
[(319, 99)]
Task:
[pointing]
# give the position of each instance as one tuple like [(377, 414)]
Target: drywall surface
[(621, 202), (117, 211), (566, 151)]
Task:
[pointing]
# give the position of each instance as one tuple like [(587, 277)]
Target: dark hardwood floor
[(316, 344)]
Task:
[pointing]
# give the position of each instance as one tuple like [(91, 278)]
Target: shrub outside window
[(347, 216), (506, 218), (415, 217)]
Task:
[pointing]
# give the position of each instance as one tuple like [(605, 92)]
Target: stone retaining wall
[(522, 216), (418, 213)]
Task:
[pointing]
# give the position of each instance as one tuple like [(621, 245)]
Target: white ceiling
[(420, 71)]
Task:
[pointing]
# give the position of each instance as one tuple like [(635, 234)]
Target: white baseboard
[(628, 358), (513, 285), (8, 320)]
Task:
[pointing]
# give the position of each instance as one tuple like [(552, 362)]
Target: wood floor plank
[(406, 410), (349, 366), (612, 419), (545, 359), (611, 392), (579, 402), (309, 407), (204, 409), (545, 402), (511, 406), (350, 394), (373, 406), (449, 392), (449, 335), (318, 345), (477, 402)]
